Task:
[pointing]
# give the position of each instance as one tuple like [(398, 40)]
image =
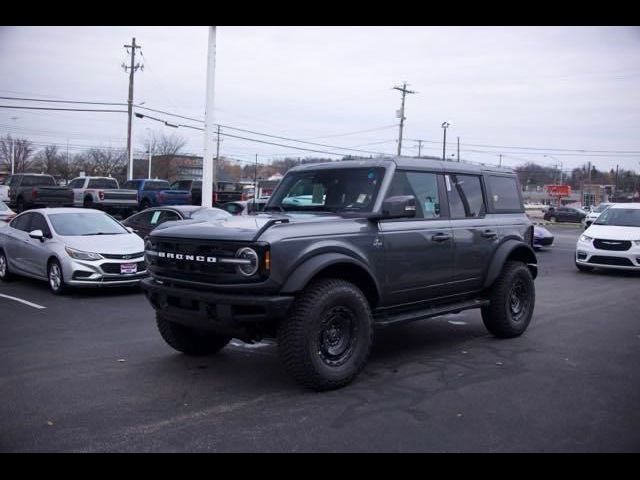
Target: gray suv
[(341, 249)]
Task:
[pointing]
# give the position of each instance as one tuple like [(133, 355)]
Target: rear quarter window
[(505, 194)]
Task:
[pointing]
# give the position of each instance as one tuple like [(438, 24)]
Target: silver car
[(71, 247)]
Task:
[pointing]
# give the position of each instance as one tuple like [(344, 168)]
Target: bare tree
[(106, 162), (48, 159), (23, 150)]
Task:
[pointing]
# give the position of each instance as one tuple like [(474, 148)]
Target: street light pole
[(444, 126)]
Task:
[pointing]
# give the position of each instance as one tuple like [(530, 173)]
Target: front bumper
[(586, 254), (84, 273), (542, 241), (213, 310)]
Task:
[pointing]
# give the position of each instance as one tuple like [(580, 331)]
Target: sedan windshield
[(75, 224), (334, 190), (620, 217)]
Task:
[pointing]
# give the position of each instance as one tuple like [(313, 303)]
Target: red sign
[(558, 190)]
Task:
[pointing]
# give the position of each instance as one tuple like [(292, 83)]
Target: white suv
[(612, 241)]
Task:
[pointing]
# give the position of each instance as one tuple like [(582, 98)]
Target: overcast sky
[(543, 87)]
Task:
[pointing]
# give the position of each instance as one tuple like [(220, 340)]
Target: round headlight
[(249, 254)]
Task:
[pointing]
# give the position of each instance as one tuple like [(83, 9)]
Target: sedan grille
[(128, 256), (602, 260)]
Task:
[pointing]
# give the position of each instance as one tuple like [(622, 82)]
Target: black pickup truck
[(31, 190), (226, 191)]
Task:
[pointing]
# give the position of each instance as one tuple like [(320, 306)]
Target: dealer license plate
[(128, 268)]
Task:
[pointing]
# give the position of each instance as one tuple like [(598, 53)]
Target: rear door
[(18, 236), (419, 254), (474, 235)]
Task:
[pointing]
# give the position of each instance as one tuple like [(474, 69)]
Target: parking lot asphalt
[(90, 373)]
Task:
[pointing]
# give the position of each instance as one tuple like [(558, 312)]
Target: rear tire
[(584, 268), (190, 341), (88, 203), (512, 299), (325, 342), (5, 274)]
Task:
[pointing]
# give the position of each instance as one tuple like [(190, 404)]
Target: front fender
[(511, 248), (304, 272)]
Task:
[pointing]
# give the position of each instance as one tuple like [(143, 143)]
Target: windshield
[(74, 224), (601, 208), (620, 217), (156, 185), (340, 189), (210, 214)]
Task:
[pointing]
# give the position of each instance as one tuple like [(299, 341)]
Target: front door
[(36, 252), (419, 253)]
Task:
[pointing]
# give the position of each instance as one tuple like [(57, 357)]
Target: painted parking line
[(16, 299)]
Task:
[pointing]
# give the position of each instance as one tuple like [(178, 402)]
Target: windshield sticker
[(154, 219)]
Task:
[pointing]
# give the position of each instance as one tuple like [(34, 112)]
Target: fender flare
[(503, 252), (304, 272)]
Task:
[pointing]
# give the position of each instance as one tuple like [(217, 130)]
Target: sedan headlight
[(251, 261), (585, 238), (80, 255)]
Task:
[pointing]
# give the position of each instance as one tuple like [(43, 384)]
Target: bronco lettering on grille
[(192, 258)]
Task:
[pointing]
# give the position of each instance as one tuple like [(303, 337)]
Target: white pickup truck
[(103, 193)]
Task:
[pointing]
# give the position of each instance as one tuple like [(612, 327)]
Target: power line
[(63, 109)]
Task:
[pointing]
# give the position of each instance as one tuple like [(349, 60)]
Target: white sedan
[(71, 247), (612, 241)]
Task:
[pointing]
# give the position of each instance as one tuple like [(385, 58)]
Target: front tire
[(512, 299), (5, 274), (325, 342), (190, 341), (56, 278)]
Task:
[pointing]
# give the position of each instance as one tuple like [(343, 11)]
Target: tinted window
[(233, 208), (13, 181), (105, 183), (423, 186), (143, 218), (39, 223), (504, 193), (156, 185), (166, 216), (77, 183), (22, 222), (181, 185), (34, 181), (465, 196)]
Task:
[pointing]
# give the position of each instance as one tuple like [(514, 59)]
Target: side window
[(232, 208), (15, 181), (77, 183), (504, 193), (167, 216), (38, 222), (465, 196), (22, 222), (423, 186), (142, 219)]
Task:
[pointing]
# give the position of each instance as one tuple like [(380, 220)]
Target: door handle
[(440, 237), (489, 234)]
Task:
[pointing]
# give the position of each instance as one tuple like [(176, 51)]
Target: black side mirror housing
[(403, 206)]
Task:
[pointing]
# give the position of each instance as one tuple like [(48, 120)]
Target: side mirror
[(37, 234), (403, 206)]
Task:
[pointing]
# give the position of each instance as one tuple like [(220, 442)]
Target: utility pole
[(132, 70), (444, 126), (404, 91), (13, 155), (616, 186), (209, 168), (419, 148), (255, 183), (149, 176), (458, 149), (500, 164)]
